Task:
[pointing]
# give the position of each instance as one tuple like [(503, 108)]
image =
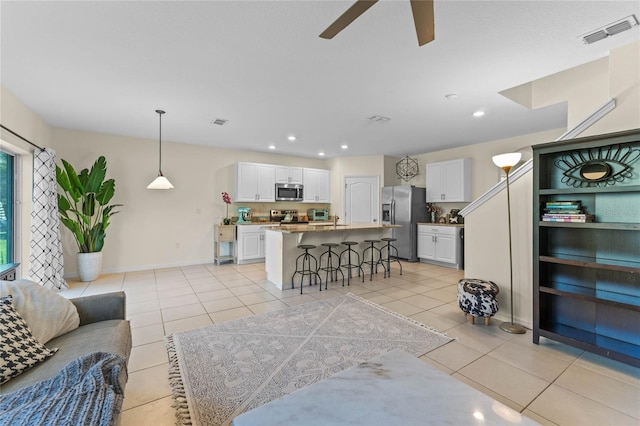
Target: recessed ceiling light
[(321, 154), (345, 146), (478, 113), (451, 96), (291, 138), (272, 147)]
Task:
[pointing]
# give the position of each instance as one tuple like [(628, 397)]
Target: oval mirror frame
[(595, 170)]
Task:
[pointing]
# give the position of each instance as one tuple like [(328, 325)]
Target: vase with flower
[(227, 200), (433, 212)]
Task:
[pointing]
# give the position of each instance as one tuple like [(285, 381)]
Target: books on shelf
[(565, 211), (578, 218)]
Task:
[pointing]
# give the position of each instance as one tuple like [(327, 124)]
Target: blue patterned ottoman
[(478, 298)]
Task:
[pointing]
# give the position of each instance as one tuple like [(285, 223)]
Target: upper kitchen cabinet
[(285, 174), (449, 181), (255, 182), (317, 184)]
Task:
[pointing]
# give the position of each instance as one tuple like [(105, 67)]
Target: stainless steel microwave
[(288, 192)]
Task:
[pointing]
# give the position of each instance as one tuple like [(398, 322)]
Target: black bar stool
[(349, 265), (306, 268), (329, 267), (373, 249), (391, 257)]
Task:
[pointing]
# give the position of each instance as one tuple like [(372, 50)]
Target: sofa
[(100, 329)]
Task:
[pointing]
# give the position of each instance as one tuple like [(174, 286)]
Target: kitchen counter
[(460, 225), (281, 246), (329, 227)]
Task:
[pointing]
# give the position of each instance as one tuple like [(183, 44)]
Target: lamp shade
[(506, 160), (160, 182)]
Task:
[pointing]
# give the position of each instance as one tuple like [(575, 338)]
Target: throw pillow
[(48, 314), (19, 350)]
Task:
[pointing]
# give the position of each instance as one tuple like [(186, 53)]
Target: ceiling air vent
[(610, 30), (378, 118), (219, 121)]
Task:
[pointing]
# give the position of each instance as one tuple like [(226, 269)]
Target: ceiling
[(106, 66)]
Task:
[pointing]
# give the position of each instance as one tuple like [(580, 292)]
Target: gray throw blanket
[(85, 392)]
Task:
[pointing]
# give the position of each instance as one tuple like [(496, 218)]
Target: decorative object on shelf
[(227, 200), (454, 216), (83, 209), (597, 167), (160, 182), (407, 168), (433, 212), (506, 162)]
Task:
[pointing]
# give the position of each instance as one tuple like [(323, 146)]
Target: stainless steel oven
[(288, 192)]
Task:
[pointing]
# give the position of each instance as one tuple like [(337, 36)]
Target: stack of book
[(565, 211)]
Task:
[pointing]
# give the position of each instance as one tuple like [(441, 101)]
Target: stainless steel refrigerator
[(405, 206)]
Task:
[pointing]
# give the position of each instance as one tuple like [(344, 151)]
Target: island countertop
[(295, 229)]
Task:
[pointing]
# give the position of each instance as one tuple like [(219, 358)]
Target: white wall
[(161, 228), (486, 246), (20, 119)]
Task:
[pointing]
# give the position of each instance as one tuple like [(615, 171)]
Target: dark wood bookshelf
[(587, 274)]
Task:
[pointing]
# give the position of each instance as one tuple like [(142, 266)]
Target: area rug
[(221, 371)]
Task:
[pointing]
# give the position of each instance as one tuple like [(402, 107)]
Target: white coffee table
[(393, 389)]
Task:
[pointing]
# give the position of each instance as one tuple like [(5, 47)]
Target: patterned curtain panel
[(47, 264)]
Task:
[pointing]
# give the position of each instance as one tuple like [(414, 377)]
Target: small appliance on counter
[(318, 214), (285, 216), (244, 214)]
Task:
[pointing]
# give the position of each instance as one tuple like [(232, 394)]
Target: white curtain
[(47, 264)]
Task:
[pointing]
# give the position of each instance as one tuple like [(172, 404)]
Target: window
[(6, 207)]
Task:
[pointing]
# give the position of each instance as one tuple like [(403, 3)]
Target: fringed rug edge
[(178, 393)]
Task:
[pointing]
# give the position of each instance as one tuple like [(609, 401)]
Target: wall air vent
[(610, 30), (219, 121)]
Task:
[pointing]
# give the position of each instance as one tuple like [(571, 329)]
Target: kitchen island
[(281, 245)]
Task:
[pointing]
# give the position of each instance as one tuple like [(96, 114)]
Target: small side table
[(224, 239)]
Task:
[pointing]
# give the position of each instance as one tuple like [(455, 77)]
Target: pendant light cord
[(160, 112)]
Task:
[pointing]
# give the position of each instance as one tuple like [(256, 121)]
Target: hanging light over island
[(160, 182)]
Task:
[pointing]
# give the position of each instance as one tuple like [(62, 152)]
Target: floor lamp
[(506, 162)]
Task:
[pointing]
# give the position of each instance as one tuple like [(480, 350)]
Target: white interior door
[(361, 199)]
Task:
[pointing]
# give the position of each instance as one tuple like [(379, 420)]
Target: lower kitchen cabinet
[(250, 243), (440, 245)]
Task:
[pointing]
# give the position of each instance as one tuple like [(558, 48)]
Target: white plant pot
[(89, 265)]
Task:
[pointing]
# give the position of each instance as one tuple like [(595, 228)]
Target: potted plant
[(83, 208), (227, 200)]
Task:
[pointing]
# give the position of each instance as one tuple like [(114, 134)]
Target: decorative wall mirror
[(597, 166)]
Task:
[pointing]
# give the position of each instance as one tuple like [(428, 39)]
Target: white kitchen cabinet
[(449, 181), (317, 184), (285, 174), (255, 182), (441, 245), (250, 243)]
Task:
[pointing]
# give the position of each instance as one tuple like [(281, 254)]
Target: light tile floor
[(551, 383)]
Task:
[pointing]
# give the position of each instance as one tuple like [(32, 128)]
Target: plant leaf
[(76, 189), (96, 175), (106, 192)]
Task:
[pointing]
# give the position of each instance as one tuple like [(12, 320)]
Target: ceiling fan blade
[(357, 9), (423, 18)]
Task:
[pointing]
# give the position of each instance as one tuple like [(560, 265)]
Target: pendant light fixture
[(160, 182)]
